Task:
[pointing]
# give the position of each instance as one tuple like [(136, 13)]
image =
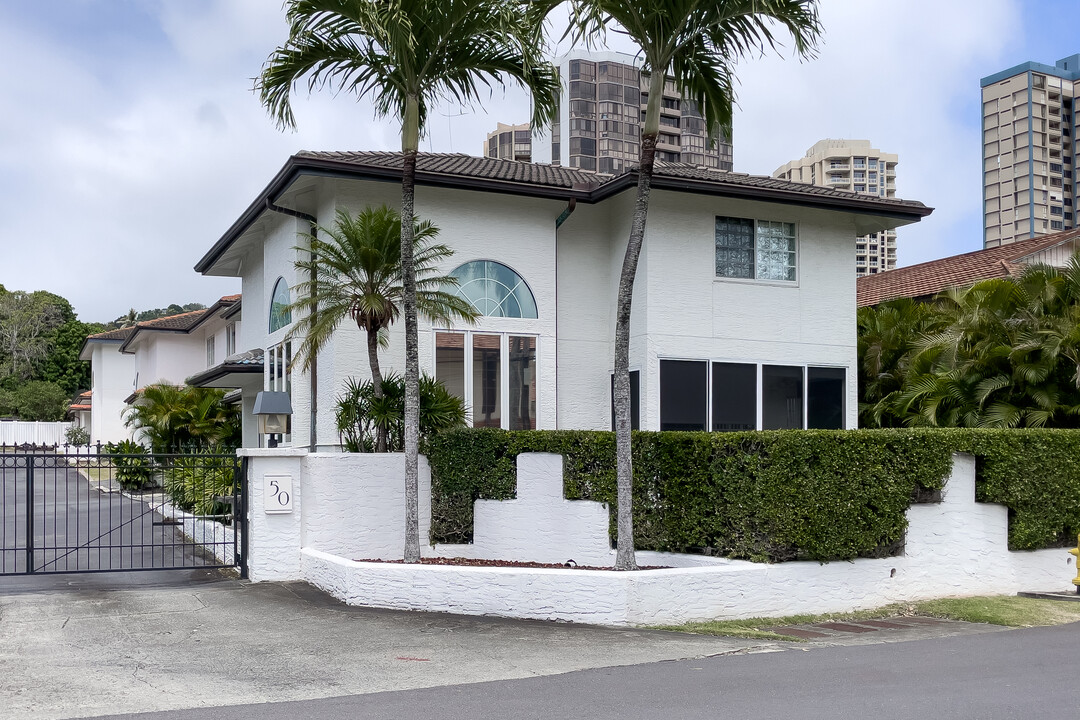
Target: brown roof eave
[(219, 371), (322, 167), (855, 204), (132, 336)]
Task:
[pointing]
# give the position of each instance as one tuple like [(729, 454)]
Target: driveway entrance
[(85, 512)]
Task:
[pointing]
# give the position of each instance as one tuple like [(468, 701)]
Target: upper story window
[(494, 290), (755, 249), (280, 315), (230, 339), (210, 351)]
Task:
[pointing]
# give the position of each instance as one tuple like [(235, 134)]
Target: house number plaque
[(277, 494)]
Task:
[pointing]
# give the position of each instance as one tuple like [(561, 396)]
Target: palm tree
[(696, 42), (406, 55), (356, 273)]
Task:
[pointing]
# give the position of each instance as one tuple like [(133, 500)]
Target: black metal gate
[(66, 510)]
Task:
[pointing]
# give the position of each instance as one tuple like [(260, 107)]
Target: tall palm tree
[(356, 273), (697, 43), (405, 56)]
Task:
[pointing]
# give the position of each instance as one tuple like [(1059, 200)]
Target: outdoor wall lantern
[(274, 410)]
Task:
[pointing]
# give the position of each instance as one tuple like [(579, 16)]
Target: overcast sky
[(130, 139)]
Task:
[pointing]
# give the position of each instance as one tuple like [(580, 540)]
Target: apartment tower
[(1029, 154), (857, 166), (601, 110), (509, 142)]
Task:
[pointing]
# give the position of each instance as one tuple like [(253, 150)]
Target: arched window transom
[(494, 290), (280, 316)]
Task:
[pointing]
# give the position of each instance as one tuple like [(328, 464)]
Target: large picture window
[(728, 397), (494, 373), (755, 249)]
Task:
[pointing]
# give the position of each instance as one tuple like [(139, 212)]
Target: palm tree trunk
[(624, 555), (410, 140), (376, 382)]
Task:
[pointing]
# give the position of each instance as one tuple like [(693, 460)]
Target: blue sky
[(130, 138)]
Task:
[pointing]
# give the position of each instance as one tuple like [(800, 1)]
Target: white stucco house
[(744, 305), (164, 350)]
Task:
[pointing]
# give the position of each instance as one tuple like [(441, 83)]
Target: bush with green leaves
[(197, 482), (77, 435), (360, 415), (178, 419), (134, 465), (773, 495)]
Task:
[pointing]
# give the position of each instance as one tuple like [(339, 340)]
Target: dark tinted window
[(683, 395), (825, 398), (734, 397), (781, 397)]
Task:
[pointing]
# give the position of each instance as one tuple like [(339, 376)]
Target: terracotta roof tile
[(930, 278), (117, 334), (183, 321)]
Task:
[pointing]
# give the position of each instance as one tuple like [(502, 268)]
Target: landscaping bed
[(472, 562)]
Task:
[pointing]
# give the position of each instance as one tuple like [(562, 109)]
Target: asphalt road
[(1024, 674), (79, 527)]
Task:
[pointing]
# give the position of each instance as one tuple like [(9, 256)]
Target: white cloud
[(118, 174)]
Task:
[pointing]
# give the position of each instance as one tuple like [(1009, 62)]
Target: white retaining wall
[(16, 432), (346, 507)]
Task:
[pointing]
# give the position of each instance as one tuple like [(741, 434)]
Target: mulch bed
[(467, 562)]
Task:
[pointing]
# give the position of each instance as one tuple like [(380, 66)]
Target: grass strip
[(1007, 610)]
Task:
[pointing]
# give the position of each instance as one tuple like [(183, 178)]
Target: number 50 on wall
[(277, 493)]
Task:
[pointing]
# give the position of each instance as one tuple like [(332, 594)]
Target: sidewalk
[(84, 651), (71, 648)]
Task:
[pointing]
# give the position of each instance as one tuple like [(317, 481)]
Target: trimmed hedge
[(773, 495)]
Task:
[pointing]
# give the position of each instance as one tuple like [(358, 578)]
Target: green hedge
[(782, 495)]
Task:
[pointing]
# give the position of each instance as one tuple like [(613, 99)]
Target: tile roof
[(117, 334), (467, 166), (182, 321), (930, 278), (461, 165), (457, 170)]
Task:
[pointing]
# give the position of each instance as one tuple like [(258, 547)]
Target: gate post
[(240, 518), (29, 514)]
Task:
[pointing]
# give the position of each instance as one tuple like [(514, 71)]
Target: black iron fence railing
[(68, 509)]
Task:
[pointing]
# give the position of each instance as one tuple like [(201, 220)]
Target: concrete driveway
[(85, 650)]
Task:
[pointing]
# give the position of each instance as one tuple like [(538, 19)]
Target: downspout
[(571, 205), (313, 373)]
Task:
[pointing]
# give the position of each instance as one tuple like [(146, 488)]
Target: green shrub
[(194, 482), (773, 495), (134, 467), (360, 415), (77, 435)]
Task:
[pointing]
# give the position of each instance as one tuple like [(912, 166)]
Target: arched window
[(494, 290), (280, 316)]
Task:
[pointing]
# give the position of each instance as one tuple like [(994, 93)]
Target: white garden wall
[(348, 508)]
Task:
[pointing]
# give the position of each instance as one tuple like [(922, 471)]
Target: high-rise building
[(509, 142), (601, 110), (1029, 154), (857, 166)]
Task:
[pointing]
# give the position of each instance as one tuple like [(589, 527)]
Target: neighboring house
[(163, 350), (111, 375), (79, 410), (744, 312), (925, 280)]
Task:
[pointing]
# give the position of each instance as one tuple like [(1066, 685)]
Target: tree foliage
[(698, 44), (1003, 352), (172, 418), (363, 416)]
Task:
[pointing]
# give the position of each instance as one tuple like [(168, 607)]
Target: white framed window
[(731, 396), (494, 290), (277, 374), (210, 351), (755, 249), (494, 373), (230, 339)]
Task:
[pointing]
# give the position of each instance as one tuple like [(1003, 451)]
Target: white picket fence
[(15, 432)]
